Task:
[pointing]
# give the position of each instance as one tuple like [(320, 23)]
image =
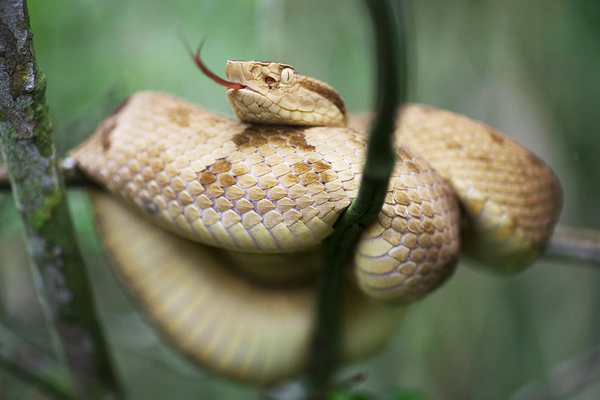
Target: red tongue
[(208, 73)]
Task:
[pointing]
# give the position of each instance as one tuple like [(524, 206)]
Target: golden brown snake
[(260, 198)]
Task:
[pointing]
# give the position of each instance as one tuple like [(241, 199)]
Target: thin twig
[(28, 148), (574, 244), (567, 243), (565, 379), (31, 365), (378, 167)]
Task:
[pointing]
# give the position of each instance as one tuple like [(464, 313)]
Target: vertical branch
[(28, 149), (338, 248)]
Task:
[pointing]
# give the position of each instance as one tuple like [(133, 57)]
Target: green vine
[(338, 248)]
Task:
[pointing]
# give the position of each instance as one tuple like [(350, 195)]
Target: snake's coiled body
[(272, 190)]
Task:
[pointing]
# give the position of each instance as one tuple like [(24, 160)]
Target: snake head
[(274, 93)]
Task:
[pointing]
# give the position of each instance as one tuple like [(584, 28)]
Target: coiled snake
[(259, 195)]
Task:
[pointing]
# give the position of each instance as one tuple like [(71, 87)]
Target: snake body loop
[(264, 197)]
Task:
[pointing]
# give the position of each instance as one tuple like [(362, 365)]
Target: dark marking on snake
[(258, 135), (480, 156), (105, 129), (240, 139), (411, 166), (496, 136), (149, 206), (298, 140), (220, 166), (453, 144), (120, 107), (207, 177), (180, 116), (320, 166), (325, 91), (258, 140), (535, 160), (110, 124), (428, 226), (403, 153)]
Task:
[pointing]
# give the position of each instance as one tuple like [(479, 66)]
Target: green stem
[(28, 149), (338, 248)]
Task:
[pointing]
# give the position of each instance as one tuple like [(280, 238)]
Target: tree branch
[(566, 379), (391, 88), (71, 175), (567, 243), (574, 244), (28, 149)]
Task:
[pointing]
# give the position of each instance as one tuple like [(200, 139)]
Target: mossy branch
[(71, 175), (338, 248), (28, 149)]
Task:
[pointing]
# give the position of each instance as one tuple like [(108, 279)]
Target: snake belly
[(267, 191)]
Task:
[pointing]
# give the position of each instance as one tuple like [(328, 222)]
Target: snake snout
[(235, 72)]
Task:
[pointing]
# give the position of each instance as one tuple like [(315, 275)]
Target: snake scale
[(244, 205)]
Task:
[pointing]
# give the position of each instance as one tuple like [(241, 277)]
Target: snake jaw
[(256, 101), (237, 72)]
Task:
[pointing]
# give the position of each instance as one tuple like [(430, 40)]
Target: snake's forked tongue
[(210, 74)]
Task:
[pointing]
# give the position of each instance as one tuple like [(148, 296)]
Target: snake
[(214, 225)]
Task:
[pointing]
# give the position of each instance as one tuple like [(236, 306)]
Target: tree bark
[(28, 149)]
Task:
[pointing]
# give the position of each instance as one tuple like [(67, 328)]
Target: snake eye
[(287, 74), (269, 80)]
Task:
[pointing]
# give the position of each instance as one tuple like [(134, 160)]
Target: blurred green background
[(529, 68)]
